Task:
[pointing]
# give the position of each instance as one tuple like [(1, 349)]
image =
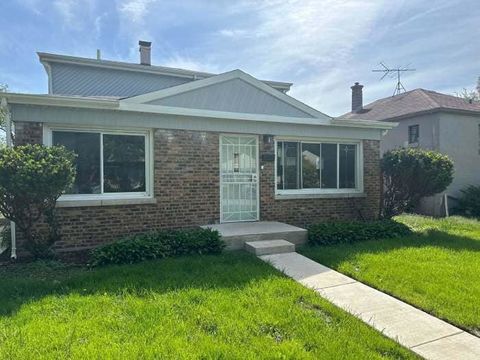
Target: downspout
[(8, 135)]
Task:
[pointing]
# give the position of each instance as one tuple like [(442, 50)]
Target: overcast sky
[(321, 46)]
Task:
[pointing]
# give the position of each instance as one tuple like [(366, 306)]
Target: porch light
[(268, 139)]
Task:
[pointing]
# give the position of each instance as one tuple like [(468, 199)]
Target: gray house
[(429, 120), (161, 147)]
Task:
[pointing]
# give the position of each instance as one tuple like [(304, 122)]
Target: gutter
[(8, 123), (121, 105), (60, 100)]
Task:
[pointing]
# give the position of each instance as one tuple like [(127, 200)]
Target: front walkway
[(424, 334)]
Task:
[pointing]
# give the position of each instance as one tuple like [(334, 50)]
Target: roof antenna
[(399, 88)]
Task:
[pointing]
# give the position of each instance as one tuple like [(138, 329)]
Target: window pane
[(280, 165), (87, 148), (413, 134), (347, 166), (329, 166), (123, 163), (291, 165), (311, 166)]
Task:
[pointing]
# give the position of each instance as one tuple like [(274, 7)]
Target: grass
[(437, 269), (230, 306)]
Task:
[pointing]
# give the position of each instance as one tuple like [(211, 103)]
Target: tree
[(3, 113), (411, 174), (470, 95), (32, 178)]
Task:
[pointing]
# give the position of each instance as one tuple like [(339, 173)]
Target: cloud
[(135, 10), (180, 62), (232, 33), (32, 5), (322, 46), (75, 15)]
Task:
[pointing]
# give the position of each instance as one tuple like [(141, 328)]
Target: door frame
[(257, 143)]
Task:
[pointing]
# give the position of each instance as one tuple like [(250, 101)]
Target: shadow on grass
[(334, 255), (25, 283)]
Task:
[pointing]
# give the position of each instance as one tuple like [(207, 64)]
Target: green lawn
[(437, 270), (231, 306)]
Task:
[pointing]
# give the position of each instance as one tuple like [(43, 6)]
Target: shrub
[(32, 178), (469, 202), (157, 245), (349, 232), (409, 175)]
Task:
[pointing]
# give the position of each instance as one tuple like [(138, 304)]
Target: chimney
[(145, 50), (357, 97)]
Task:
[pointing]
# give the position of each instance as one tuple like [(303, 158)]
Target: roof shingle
[(409, 103)]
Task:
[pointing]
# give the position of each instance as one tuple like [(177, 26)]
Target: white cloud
[(31, 5), (309, 42), (74, 14), (181, 62), (232, 33), (135, 10)]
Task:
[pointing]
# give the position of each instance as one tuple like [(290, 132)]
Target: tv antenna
[(399, 88)]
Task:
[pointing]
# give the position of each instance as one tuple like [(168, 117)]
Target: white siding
[(69, 79), (459, 139), (428, 129)]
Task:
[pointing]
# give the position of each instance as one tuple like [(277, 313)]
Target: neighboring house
[(161, 147), (429, 120)]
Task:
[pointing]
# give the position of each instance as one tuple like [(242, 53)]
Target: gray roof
[(411, 103)]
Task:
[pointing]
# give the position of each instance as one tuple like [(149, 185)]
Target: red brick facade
[(186, 189)]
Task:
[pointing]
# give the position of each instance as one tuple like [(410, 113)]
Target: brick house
[(161, 148)]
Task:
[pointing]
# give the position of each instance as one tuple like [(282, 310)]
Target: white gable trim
[(112, 104), (235, 74)]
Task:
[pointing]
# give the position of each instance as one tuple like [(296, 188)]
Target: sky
[(322, 46)]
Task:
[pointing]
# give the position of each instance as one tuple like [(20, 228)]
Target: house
[(162, 147), (429, 120)]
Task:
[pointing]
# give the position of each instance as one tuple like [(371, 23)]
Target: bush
[(32, 178), (156, 245), (411, 174), (469, 202), (349, 232)]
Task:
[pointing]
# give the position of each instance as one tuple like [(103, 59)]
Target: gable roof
[(411, 103), (46, 58), (253, 96)]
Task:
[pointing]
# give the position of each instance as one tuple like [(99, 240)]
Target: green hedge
[(157, 245), (349, 232)]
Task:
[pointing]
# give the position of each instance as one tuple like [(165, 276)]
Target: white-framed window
[(110, 164), (413, 134), (318, 167)]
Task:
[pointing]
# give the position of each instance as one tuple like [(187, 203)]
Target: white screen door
[(238, 178)]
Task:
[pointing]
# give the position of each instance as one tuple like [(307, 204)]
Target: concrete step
[(236, 235), (269, 247)]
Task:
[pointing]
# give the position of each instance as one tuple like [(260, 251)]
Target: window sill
[(320, 196), (105, 202)]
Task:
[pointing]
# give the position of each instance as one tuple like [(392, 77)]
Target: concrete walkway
[(424, 334)]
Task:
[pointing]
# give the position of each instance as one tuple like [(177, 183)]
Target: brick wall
[(186, 187), (28, 133)]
